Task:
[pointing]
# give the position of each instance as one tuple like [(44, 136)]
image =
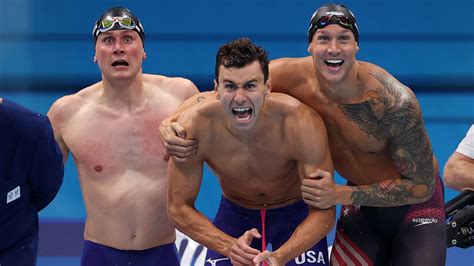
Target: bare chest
[(104, 143), (347, 134), (259, 161)]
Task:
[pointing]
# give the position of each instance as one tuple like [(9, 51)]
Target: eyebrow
[(323, 31), (247, 82)]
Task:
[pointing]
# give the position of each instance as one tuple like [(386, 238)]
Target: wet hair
[(240, 53), (118, 12), (333, 14)]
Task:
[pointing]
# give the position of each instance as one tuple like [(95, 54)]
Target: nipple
[(98, 168)]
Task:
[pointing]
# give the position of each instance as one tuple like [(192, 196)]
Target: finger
[(309, 196), (178, 129), (179, 159), (240, 260), (263, 256), (181, 154), (249, 235), (173, 140), (173, 149), (316, 174), (307, 182), (243, 253)]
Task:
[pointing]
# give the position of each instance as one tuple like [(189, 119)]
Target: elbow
[(330, 220)]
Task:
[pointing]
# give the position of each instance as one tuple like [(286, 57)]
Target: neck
[(348, 88), (127, 93)]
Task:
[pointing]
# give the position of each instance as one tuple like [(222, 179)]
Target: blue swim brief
[(279, 225), (99, 255)]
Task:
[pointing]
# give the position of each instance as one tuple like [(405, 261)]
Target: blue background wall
[(46, 52)]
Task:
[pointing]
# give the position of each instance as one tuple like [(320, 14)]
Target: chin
[(243, 127)]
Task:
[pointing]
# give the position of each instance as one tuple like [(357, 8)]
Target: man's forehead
[(333, 28), (118, 32), (240, 75)]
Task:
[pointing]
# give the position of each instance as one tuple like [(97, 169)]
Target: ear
[(357, 48), (309, 48), (269, 87), (144, 55), (95, 59), (215, 90), (215, 85)]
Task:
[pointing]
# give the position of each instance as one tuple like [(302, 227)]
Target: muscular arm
[(392, 112), (459, 172), (312, 154), (184, 183)]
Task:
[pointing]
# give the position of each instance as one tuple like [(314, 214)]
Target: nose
[(240, 97), (333, 48), (118, 47)]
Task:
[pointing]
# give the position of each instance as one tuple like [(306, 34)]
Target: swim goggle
[(125, 22), (341, 20)]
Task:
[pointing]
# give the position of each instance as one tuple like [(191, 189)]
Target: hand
[(240, 252), (173, 137), (319, 190), (269, 257)]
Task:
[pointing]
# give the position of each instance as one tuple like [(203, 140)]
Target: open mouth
[(334, 62), (242, 113), (120, 63)]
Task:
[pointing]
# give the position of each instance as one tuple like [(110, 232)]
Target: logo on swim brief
[(311, 257), (424, 221), (214, 262)]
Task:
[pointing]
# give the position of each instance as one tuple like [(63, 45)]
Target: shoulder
[(201, 114), (389, 107), (292, 67), (289, 74), (298, 114), (65, 107), (298, 62), (383, 84), (178, 87)]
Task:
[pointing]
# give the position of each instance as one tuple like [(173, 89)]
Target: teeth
[(334, 61), (241, 109)]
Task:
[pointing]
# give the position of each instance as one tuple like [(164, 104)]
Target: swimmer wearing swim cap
[(333, 14), (118, 18)]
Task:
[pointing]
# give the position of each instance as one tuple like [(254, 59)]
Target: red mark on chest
[(98, 168)]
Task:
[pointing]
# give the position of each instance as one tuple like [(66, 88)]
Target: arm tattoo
[(391, 112)]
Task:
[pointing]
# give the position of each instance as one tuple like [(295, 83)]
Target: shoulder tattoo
[(386, 111)]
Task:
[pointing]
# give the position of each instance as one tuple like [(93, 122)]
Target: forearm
[(315, 227), (459, 175), (198, 227), (388, 193)]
